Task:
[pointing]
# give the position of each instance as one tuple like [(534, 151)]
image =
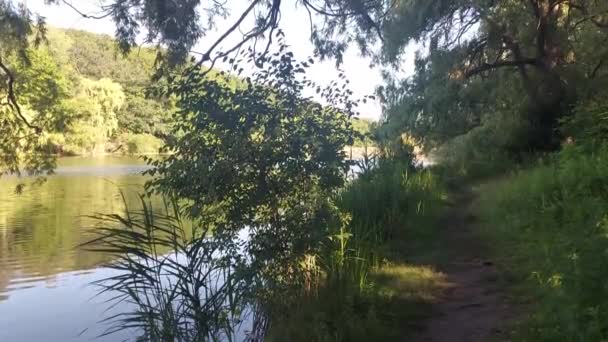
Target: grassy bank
[(370, 291), (549, 227)]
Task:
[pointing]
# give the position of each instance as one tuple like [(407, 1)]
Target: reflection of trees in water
[(4, 280), (4, 269), (41, 228)]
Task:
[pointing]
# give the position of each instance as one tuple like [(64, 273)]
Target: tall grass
[(550, 226), (177, 283), (362, 295)]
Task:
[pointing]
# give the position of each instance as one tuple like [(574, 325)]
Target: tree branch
[(491, 66), (12, 99), (207, 54), (596, 69), (84, 15)]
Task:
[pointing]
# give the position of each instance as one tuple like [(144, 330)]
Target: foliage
[(40, 83), (390, 208), (259, 155), (96, 56), (88, 59), (91, 116), (254, 158), (363, 128), (588, 125), (77, 95), (491, 63), (548, 225), (490, 149), (141, 143), (173, 27), (21, 144), (180, 289), (177, 27), (345, 291), (143, 115)]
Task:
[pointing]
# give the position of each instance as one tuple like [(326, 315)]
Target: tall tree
[(550, 44), (21, 143)]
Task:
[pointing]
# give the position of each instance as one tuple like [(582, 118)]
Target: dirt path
[(473, 307)]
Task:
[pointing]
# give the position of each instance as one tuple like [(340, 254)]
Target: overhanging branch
[(108, 11), (501, 64), (12, 99)]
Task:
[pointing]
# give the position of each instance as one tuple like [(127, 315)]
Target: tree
[(174, 26), (93, 114), (254, 156), (21, 143), (248, 150), (144, 115), (472, 43)]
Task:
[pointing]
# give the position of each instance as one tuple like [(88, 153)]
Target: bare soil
[(473, 307)]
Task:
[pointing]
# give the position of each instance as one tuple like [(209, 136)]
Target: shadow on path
[(473, 307)]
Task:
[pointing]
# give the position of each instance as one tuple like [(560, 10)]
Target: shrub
[(142, 144), (486, 150), (589, 123)]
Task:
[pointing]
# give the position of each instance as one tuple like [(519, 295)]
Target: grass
[(397, 300), (177, 286), (371, 291), (359, 284), (549, 226), (418, 283)]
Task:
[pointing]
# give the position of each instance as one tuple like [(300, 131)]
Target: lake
[(45, 280), (45, 291)]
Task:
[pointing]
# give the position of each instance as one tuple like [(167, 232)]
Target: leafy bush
[(486, 150), (256, 163), (550, 223), (589, 123), (142, 143)]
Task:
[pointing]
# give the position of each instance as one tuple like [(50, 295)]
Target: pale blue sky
[(294, 22)]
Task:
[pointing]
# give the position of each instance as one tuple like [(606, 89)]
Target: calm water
[(44, 279)]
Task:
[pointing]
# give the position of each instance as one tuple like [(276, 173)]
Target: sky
[(294, 22)]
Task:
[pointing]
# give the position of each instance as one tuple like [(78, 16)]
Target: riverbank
[(353, 152)]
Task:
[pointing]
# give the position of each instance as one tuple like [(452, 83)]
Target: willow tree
[(475, 47)]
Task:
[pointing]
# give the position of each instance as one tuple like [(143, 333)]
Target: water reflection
[(44, 292)]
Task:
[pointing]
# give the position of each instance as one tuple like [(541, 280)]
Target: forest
[(96, 102), (501, 237)]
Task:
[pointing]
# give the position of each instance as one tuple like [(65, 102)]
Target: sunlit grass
[(410, 281)]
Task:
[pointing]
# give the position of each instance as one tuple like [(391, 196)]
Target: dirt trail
[(473, 307)]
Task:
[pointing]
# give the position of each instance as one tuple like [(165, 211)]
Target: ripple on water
[(44, 280)]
